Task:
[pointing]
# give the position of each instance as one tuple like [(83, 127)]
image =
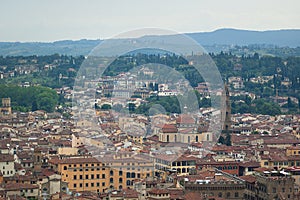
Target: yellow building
[(293, 150), (170, 133), (133, 166), (5, 110), (115, 171), (87, 174), (182, 165)]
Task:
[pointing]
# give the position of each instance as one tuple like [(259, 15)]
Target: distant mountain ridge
[(281, 38)]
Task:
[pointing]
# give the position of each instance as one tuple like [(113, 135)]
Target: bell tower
[(225, 137), (6, 107), (227, 122)]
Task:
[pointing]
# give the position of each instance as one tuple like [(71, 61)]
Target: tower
[(225, 137), (6, 107), (227, 122)]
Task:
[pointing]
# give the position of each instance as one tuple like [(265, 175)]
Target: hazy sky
[(49, 20)]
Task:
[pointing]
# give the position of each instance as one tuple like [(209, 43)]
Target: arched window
[(132, 175), (128, 182), (228, 194)]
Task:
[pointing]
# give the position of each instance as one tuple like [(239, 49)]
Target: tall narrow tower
[(6, 107), (227, 122), (225, 137)]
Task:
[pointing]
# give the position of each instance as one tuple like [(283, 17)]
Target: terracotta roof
[(185, 119), (193, 195), (74, 160), (158, 191), (19, 186), (169, 128), (248, 178), (6, 158)]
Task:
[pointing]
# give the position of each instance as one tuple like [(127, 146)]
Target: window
[(75, 177), (111, 172), (87, 176), (92, 184), (228, 194), (111, 180), (103, 175), (98, 176), (132, 175), (98, 184), (236, 194), (86, 184), (92, 176), (65, 167), (120, 180), (128, 175), (120, 173), (74, 185), (80, 176), (80, 185), (103, 184)]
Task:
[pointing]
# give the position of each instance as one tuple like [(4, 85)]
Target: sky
[(52, 20)]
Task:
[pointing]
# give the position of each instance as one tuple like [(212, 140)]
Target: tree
[(131, 107), (117, 107), (106, 107)]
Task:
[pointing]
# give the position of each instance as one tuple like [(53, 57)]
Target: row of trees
[(244, 104), (30, 98)]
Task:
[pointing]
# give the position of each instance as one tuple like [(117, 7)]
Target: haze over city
[(35, 20)]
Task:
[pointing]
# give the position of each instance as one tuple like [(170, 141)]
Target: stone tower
[(227, 122), (225, 137), (6, 107)]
